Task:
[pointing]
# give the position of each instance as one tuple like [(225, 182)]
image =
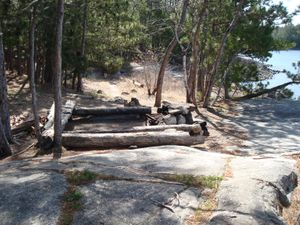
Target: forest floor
[(253, 147)]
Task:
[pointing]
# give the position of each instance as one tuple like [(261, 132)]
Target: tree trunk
[(48, 71), (4, 111), (57, 84), (213, 72), (191, 92), (166, 59), (266, 91), (4, 145), (19, 62), (32, 77), (83, 41), (195, 58)]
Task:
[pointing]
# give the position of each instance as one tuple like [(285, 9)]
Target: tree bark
[(57, 150), (4, 111), (32, 77), (265, 91), (4, 145), (195, 58), (191, 91), (125, 140), (83, 41), (166, 59)]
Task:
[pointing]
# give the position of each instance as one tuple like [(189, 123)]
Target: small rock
[(189, 118), (119, 100), (100, 92), (170, 120), (133, 102), (133, 91), (181, 119), (124, 93)]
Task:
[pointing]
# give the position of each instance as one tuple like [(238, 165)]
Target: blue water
[(283, 60)]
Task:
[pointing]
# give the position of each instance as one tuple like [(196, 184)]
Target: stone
[(181, 119), (170, 119), (256, 192), (124, 203), (31, 197)]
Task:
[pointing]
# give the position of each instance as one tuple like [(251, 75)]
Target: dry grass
[(205, 210), (292, 214), (202, 182)]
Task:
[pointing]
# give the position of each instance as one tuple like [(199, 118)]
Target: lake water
[(281, 60)]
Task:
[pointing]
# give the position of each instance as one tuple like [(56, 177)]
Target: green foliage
[(73, 196), (294, 76), (114, 31), (288, 34), (111, 64), (80, 177), (286, 93)]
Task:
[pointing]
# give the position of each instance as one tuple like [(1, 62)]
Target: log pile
[(175, 114), (176, 127), (172, 114)]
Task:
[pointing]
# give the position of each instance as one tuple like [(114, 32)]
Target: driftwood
[(265, 91), (194, 129), (101, 111), (25, 126), (125, 140), (47, 134)]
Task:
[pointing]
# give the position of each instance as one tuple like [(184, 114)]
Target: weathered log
[(25, 126), (101, 111), (47, 134), (125, 140), (50, 118), (265, 91), (195, 129)]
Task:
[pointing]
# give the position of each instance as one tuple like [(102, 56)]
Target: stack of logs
[(173, 125), (175, 114)]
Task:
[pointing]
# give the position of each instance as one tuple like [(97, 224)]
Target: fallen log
[(125, 140), (194, 129), (101, 111), (50, 118), (48, 134), (25, 126), (265, 91)]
